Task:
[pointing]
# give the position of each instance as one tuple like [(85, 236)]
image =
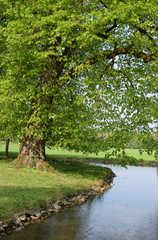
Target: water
[(128, 211)]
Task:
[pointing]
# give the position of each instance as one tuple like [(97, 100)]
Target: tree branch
[(154, 27), (103, 35), (146, 57), (103, 4), (141, 30)]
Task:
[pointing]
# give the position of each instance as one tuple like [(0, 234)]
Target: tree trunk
[(32, 146), (7, 148), (32, 154)]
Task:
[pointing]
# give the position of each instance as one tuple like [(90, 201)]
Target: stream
[(127, 211)]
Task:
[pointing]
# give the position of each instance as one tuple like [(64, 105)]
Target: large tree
[(75, 68)]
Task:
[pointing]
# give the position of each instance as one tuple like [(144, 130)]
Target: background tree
[(77, 69)]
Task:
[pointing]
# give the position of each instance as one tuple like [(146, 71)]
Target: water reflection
[(128, 211)]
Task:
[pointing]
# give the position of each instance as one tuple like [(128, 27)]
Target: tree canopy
[(72, 70)]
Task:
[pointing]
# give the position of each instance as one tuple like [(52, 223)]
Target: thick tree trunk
[(32, 154), (32, 146), (7, 148)]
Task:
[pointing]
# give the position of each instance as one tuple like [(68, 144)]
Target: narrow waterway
[(128, 211)]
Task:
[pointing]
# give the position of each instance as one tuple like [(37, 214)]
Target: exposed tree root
[(23, 160)]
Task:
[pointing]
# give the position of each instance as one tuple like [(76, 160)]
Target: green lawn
[(67, 154), (14, 148), (23, 190)]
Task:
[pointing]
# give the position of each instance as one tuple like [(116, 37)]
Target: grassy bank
[(28, 189)]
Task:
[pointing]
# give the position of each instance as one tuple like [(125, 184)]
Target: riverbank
[(112, 161), (27, 195)]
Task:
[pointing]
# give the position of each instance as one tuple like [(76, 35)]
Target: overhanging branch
[(103, 4), (104, 35), (146, 57)]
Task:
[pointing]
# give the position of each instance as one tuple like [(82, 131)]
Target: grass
[(14, 149), (26, 189), (69, 155)]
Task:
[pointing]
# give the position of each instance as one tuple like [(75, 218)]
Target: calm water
[(128, 211)]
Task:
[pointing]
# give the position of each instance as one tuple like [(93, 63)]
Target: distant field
[(66, 154), (14, 149)]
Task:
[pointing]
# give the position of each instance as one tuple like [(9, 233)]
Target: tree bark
[(32, 149), (32, 154), (7, 148)]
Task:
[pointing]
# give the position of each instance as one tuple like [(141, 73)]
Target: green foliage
[(72, 70)]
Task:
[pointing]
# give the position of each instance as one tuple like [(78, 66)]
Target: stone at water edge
[(38, 214), (23, 218)]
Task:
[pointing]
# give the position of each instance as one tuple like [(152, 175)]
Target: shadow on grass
[(70, 168), (12, 155), (84, 170), (18, 199), (75, 156)]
